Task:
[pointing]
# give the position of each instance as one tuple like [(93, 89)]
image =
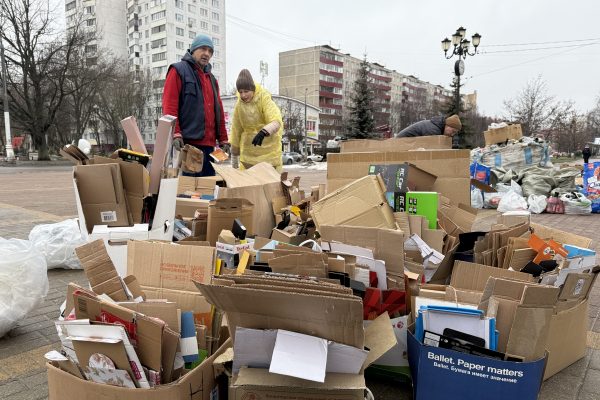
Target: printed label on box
[(108, 216)]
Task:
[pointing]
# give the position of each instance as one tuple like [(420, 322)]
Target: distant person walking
[(587, 152), (434, 126), (257, 126)]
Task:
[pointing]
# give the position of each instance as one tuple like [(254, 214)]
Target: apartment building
[(151, 35), (325, 77)]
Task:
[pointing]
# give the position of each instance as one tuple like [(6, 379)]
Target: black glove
[(178, 143), (225, 147), (260, 136)]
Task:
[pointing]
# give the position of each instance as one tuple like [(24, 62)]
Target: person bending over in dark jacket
[(434, 126)]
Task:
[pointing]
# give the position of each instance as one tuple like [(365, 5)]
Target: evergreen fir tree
[(362, 122)]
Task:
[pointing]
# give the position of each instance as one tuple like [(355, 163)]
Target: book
[(219, 155)]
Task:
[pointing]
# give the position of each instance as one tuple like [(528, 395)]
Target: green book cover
[(424, 204)]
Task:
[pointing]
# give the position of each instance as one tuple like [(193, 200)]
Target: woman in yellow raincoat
[(257, 127)]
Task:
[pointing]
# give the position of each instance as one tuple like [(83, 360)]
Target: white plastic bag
[(57, 242), (537, 203), (512, 201), (491, 200), (23, 281), (476, 198), (576, 203)]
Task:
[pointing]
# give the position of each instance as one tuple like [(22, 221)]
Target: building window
[(215, 3), (159, 56), (203, 12), (215, 28), (191, 8), (192, 35), (70, 6), (91, 22), (191, 22), (179, 31), (159, 42), (215, 16), (217, 66), (159, 15), (204, 25), (215, 41), (91, 48), (147, 34), (178, 17), (158, 29), (179, 45), (89, 10), (216, 54), (159, 71), (179, 4)]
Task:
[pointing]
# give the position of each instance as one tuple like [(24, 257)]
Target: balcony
[(330, 105), (330, 84), (331, 73), (329, 61), (329, 95)]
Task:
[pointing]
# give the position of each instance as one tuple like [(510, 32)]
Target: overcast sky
[(406, 36)]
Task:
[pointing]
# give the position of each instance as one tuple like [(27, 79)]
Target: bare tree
[(593, 119), (533, 107), (293, 123), (38, 61), (123, 93)]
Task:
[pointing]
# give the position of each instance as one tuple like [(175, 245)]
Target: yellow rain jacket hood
[(248, 119)]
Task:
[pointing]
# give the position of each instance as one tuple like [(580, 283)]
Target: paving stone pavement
[(31, 196)]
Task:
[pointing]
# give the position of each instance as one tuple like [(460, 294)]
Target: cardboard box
[(360, 203), (450, 166), (223, 212), (438, 372), (387, 244), (100, 189), (501, 135), (162, 148), (134, 137), (198, 384), (379, 338), (187, 208), (169, 265), (100, 271), (396, 144), (135, 182), (202, 185), (115, 238)]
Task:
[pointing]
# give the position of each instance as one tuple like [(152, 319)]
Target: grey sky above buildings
[(406, 35)]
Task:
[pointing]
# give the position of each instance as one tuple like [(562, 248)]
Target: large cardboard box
[(360, 203), (396, 144), (259, 185), (439, 373), (198, 384), (205, 186), (450, 166), (101, 194), (223, 212), (136, 180), (501, 135), (115, 238)]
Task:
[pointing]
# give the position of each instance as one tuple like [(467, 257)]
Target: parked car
[(288, 158), (315, 157)]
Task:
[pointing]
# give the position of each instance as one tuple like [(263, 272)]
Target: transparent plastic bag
[(537, 203), (576, 203), (57, 242), (23, 281)]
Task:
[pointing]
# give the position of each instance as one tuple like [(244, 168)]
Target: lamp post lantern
[(461, 48)]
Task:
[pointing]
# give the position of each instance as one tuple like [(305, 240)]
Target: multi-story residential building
[(325, 77), (105, 21), (159, 34), (150, 35)]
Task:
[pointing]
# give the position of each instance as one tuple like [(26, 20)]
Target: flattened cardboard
[(562, 237), (134, 137), (100, 271), (162, 147), (387, 244), (102, 196), (360, 203), (474, 277), (333, 318), (163, 310), (396, 144), (169, 266), (187, 207), (307, 264)]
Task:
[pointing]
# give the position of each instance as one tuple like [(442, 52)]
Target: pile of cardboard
[(391, 275), (128, 333)]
